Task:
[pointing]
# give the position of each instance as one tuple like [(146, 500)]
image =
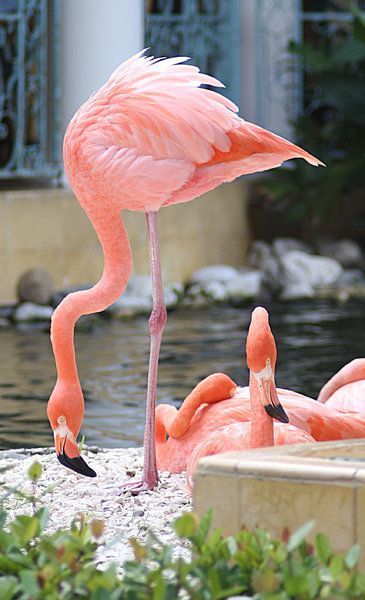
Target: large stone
[(203, 294), (28, 312), (61, 294), (282, 246), (137, 298), (351, 277), (262, 258), (245, 286), (347, 252), (35, 286), (214, 273), (315, 271), (297, 291)]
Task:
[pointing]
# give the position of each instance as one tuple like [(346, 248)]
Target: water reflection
[(314, 340)]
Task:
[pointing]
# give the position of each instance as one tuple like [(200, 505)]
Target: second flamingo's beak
[(69, 456), (272, 403)]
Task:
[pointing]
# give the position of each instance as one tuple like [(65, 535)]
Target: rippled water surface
[(313, 339)]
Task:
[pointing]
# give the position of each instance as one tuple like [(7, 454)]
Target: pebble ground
[(66, 494)]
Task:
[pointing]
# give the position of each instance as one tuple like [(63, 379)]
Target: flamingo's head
[(261, 359), (65, 412)]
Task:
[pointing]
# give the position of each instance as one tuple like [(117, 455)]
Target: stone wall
[(47, 228)]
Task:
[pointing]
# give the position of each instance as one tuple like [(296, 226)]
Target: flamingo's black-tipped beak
[(272, 404), (277, 412), (77, 464)]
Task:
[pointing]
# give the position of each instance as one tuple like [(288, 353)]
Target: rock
[(221, 273), (347, 252), (245, 286), (7, 311), (137, 298), (4, 322), (351, 277), (173, 293), (262, 258), (35, 286), (129, 305), (282, 246), (28, 311), (201, 294), (315, 271), (296, 291), (140, 285), (61, 294)]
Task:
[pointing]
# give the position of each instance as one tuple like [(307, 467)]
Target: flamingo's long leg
[(156, 323)]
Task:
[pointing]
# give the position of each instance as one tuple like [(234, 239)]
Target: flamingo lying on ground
[(217, 402), (148, 138), (260, 430), (345, 391)]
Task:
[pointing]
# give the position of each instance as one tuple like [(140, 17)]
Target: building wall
[(47, 228)]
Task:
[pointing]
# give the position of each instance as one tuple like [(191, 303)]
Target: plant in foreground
[(36, 565)]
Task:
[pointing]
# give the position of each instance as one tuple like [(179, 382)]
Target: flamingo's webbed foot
[(137, 487)]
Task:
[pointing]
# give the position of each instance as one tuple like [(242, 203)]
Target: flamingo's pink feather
[(162, 138)]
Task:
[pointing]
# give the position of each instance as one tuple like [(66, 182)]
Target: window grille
[(29, 89), (205, 30)]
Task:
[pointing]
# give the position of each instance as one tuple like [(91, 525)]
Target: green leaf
[(350, 51), (336, 565), (8, 586), (35, 471), (352, 556), (203, 529), (42, 515), (29, 582), (322, 548), (24, 528), (298, 536), (359, 580), (187, 525), (265, 581)]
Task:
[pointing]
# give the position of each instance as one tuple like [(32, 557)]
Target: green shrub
[(35, 565)]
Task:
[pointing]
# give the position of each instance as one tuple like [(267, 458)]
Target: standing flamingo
[(259, 431), (345, 391), (149, 137), (216, 403)]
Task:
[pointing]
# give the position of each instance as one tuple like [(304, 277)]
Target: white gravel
[(125, 516)]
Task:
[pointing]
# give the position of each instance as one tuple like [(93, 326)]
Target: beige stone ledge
[(286, 486), (47, 228)]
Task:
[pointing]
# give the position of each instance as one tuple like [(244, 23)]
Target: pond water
[(314, 340)]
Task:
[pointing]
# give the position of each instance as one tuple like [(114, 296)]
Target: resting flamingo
[(206, 410), (260, 430), (345, 391), (148, 138)]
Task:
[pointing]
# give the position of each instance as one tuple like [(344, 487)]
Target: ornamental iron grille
[(29, 92), (280, 81), (205, 30)]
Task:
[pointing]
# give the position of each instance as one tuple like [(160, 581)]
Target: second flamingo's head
[(261, 360), (65, 412)]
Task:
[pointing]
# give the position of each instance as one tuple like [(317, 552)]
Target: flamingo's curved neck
[(117, 268), (262, 429)]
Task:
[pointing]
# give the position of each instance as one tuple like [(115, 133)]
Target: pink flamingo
[(345, 391), (149, 137), (218, 403), (260, 430)]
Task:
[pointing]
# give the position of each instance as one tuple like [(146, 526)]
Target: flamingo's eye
[(267, 362), (61, 420)]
